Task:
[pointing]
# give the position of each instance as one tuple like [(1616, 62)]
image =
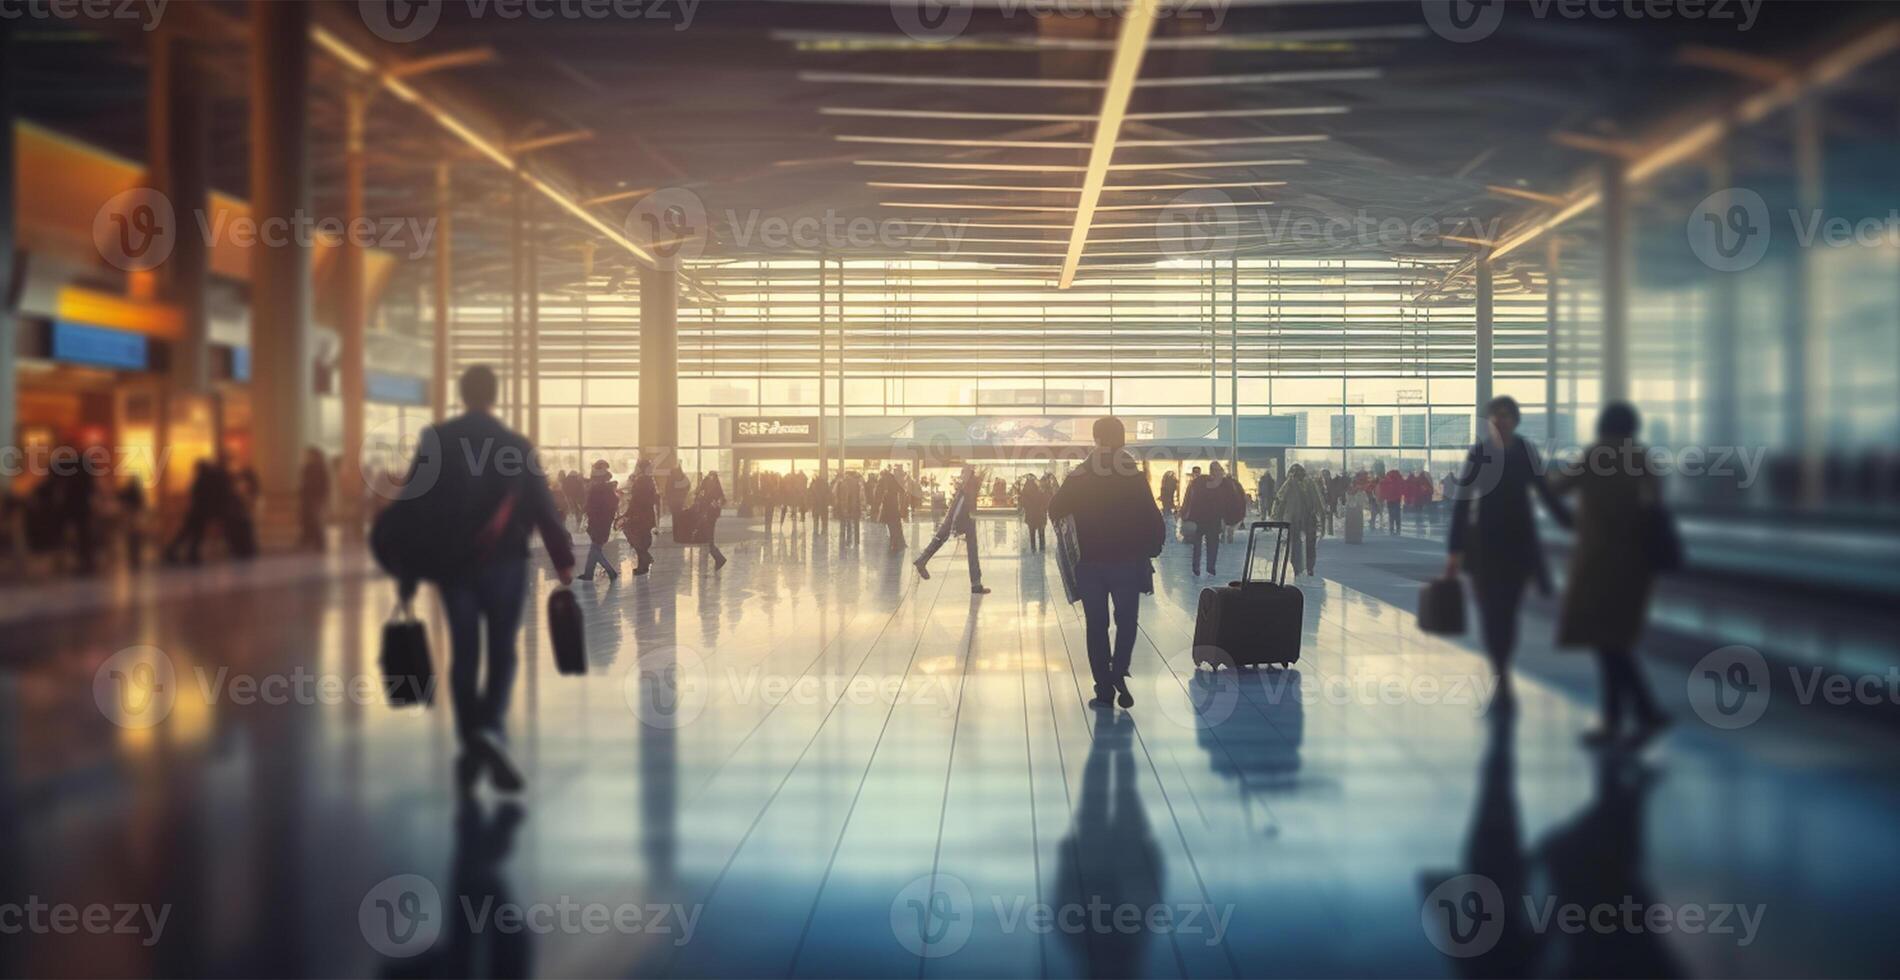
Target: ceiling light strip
[(1137, 25)]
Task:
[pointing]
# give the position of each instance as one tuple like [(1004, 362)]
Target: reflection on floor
[(811, 763)]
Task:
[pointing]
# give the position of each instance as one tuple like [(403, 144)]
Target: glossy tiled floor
[(768, 764)]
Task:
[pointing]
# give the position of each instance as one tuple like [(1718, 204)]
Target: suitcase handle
[(1282, 556)]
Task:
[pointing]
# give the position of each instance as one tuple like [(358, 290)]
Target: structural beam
[(659, 368), (177, 145), (9, 339), (1137, 25), (1484, 309)]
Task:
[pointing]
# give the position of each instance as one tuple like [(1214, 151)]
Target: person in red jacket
[(1392, 493)]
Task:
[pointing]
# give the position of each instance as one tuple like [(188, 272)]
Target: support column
[(444, 257), (841, 336), (1614, 344), (1721, 356), (1484, 311), (824, 315), (1803, 350), (352, 308), (9, 340), (533, 336), (1553, 259), (176, 153), (659, 367), (281, 410), (1233, 366), (516, 310)]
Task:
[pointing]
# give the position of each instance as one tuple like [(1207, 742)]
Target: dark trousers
[(969, 553), (1625, 692), (310, 534), (597, 555), (642, 542), (1303, 547), (492, 594), (1499, 597), (1211, 537), (1099, 586), (712, 547), (896, 527), (1392, 516), (847, 530), (821, 519), (1036, 537)]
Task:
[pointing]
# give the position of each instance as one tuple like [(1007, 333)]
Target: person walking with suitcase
[(602, 502), (488, 493), (1606, 593), (1118, 531), (960, 520), (1497, 547), (642, 516)]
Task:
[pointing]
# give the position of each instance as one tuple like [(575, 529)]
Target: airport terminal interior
[(1499, 525)]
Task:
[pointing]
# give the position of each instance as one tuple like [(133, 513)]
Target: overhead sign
[(99, 346), (774, 430)]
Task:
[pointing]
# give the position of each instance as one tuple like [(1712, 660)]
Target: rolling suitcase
[(566, 632), (1249, 623)]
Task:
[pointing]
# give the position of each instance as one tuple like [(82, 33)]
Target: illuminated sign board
[(775, 431), (99, 346)]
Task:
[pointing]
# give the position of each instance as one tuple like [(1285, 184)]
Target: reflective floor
[(812, 763)]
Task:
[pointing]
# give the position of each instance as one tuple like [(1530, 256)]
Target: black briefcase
[(566, 632), (1441, 607), (408, 673), (1252, 622)]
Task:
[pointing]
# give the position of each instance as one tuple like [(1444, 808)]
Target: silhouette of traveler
[(1300, 504), (1035, 508), (1110, 861), (643, 515), (1118, 530), (488, 494), (603, 500), (709, 501), (1498, 547), (960, 520), (1606, 593), (574, 489), (891, 507), (312, 494)]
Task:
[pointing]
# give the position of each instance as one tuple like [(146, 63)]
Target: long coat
[(1606, 595), (1500, 539)]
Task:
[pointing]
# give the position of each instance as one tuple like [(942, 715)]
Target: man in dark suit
[(486, 493), (1498, 547), (1118, 530)]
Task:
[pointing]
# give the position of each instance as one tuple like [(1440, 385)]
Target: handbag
[(1441, 607), (1662, 543), (408, 672), (1189, 529), (567, 632)]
